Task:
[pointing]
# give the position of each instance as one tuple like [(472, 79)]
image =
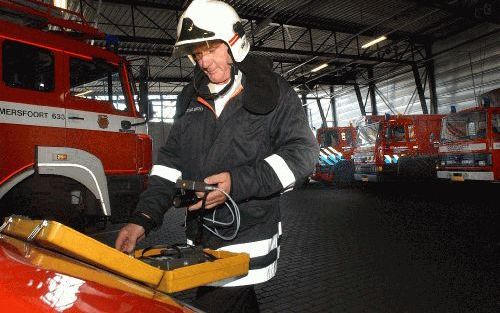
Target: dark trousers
[(240, 299)]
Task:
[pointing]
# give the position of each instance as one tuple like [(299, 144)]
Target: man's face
[(215, 61)]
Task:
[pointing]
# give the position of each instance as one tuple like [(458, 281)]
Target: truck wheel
[(344, 173), (46, 197), (404, 167), (417, 167)]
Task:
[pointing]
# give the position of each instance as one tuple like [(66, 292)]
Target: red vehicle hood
[(37, 280)]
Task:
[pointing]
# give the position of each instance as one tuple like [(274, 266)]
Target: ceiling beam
[(149, 4), (151, 53), (319, 24), (331, 55), (148, 40), (478, 10), (167, 51), (170, 80)]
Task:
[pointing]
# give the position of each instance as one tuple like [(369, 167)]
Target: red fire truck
[(73, 139), (470, 142), (336, 147), (392, 146)]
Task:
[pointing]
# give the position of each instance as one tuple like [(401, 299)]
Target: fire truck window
[(411, 132), (133, 88), (27, 67), (496, 123), (481, 129), (329, 139), (471, 129), (97, 80), (348, 137), (476, 126), (397, 133)]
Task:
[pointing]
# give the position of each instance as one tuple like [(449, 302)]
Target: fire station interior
[(401, 213)]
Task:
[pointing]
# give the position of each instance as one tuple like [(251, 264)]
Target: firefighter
[(238, 126)]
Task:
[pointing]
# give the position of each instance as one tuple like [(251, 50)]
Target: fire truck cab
[(73, 139), (392, 146), (470, 142), (336, 147)]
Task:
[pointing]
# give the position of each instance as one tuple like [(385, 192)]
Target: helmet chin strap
[(197, 80)]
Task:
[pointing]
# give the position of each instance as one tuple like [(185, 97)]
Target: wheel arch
[(76, 164)]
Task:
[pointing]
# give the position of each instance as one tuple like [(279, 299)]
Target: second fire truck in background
[(392, 146), (336, 148), (470, 142)]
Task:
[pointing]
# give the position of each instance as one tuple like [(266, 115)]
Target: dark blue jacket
[(261, 138)]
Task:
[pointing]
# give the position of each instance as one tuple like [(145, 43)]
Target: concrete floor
[(421, 247)]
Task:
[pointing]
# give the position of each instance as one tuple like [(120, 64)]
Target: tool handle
[(194, 185)]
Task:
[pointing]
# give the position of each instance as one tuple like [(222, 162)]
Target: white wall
[(159, 133), (456, 82)]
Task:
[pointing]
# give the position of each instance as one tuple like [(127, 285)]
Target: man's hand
[(128, 237), (215, 198)]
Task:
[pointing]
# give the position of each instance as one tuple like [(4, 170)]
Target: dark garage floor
[(423, 247)]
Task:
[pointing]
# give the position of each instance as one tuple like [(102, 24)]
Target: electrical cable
[(231, 206), (235, 217)]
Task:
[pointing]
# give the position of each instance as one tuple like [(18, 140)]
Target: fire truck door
[(96, 109), (31, 107)]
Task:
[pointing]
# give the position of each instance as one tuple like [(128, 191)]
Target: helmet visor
[(190, 37), (194, 48)]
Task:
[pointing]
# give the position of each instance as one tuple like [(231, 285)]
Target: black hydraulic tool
[(187, 195)]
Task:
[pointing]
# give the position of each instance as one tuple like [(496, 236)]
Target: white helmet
[(206, 20)]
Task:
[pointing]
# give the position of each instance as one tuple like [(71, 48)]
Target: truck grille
[(466, 160)]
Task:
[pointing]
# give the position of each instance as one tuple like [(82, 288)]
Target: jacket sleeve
[(294, 155), (157, 198)]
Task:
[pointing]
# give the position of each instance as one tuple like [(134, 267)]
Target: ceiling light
[(374, 41), (322, 66), (63, 4), (83, 93)]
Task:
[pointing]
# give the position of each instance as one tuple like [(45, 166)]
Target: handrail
[(52, 15)]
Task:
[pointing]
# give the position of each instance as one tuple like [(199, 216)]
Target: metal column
[(334, 107), (371, 90), (360, 100), (420, 90), (304, 105), (321, 113), (432, 79)]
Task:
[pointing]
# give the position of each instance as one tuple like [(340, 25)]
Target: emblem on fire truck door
[(103, 121)]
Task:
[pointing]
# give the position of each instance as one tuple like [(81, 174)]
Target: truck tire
[(344, 173), (48, 197), (417, 167)]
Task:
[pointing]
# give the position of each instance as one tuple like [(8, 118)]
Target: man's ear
[(230, 54)]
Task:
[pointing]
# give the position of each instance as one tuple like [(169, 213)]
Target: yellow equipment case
[(58, 237)]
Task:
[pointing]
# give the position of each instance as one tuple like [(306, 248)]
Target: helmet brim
[(186, 49)]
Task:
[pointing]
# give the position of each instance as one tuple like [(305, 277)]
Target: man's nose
[(205, 60)]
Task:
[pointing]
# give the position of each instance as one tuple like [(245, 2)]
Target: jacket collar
[(260, 87)]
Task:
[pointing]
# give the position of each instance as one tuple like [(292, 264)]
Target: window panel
[(411, 132), (27, 67), (97, 80), (163, 108), (496, 123)]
